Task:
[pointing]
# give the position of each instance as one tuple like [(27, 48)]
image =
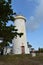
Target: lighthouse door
[(23, 49)]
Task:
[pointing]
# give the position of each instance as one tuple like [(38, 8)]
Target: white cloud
[(34, 21), (32, 25)]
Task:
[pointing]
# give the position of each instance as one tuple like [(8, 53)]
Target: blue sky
[(33, 11)]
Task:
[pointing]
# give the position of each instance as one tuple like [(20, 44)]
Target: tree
[(40, 49), (29, 45), (6, 15)]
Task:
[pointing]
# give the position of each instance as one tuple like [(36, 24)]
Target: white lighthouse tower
[(20, 43)]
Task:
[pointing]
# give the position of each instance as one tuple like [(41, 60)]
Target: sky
[(33, 11)]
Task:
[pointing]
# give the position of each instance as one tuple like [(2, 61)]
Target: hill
[(21, 60)]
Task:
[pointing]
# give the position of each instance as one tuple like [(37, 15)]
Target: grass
[(21, 60)]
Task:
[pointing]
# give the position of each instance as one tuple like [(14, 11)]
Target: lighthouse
[(20, 43)]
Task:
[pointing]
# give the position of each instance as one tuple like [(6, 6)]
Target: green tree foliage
[(6, 14), (40, 49)]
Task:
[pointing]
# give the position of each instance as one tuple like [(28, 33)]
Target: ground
[(21, 60)]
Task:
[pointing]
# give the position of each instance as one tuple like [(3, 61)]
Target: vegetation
[(21, 60), (40, 50), (6, 15)]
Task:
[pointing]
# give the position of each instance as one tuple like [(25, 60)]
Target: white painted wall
[(6, 50), (17, 43)]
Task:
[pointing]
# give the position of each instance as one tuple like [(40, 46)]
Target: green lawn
[(21, 60)]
